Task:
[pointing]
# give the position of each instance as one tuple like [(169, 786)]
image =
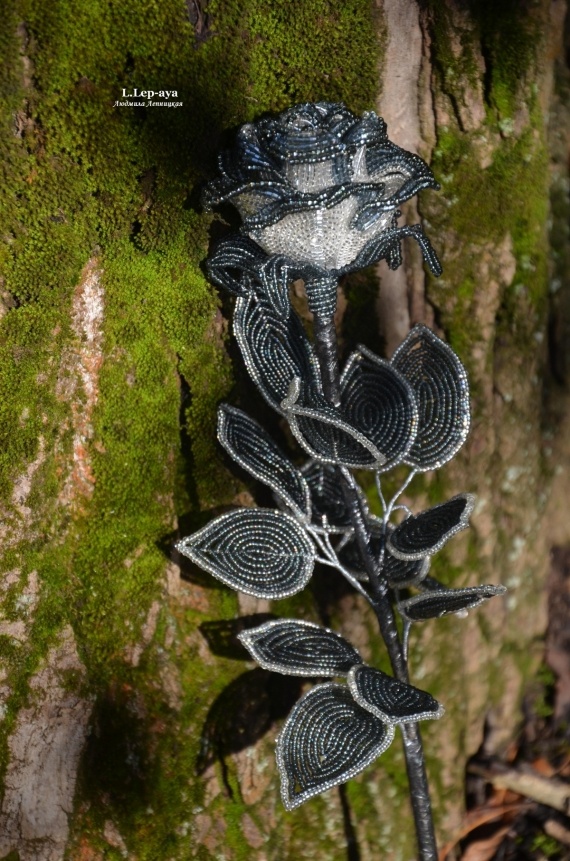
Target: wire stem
[(398, 493), (331, 559)]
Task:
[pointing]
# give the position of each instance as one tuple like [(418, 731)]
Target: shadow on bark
[(352, 850), (115, 761), (242, 714), (222, 634)]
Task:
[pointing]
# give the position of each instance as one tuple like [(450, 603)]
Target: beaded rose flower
[(320, 188)]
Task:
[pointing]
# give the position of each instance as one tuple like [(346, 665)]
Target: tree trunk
[(131, 725)]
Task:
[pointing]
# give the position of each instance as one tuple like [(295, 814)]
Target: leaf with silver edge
[(299, 648), (258, 551), (327, 498), (327, 739), (389, 699), (324, 433), (254, 450), (402, 573), (431, 584), (442, 602), (380, 402), (233, 260), (399, 573), (440, 384), (275, 349), (423, 534)]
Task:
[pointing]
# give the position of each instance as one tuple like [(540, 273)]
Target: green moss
[(92, 166), (547, 846), (283, 60), (507, 40), (455, 49), (485, 206), (85, 180), (511, 36)]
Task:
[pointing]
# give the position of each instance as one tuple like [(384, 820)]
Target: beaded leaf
[(441, 602), (442, 393), (250, 446), (400, 573), (299, 648), (258, 551), (327, 739), (425, 533), (380, 402), (275, 349), (327, 498), (325, 433), (431, 584), (389, 699), (240, 266), (232, 261)]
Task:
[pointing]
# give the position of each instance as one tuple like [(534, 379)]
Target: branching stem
[(331, 559), (391, 504)]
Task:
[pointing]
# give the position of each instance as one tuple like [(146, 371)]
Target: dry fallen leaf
[(484, 850), (493, 810)]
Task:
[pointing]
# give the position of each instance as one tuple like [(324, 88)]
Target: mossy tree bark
[(130, 726)]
